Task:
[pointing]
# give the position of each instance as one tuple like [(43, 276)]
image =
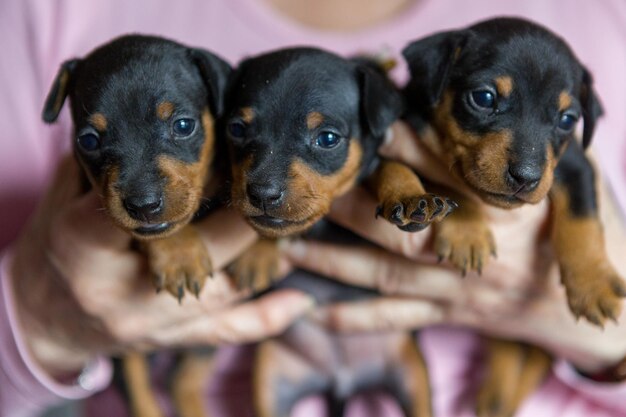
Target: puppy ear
[(58, 91), (215, 72), (430, 61), (381, 102), (592, 109)]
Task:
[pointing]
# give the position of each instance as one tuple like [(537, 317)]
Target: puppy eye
[(483, 99), (237, 129), (327, 140), (183, 127), (88, 142), (567, 121)]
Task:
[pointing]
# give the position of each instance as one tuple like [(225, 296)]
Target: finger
[(87, 221), (377, 269), (66, 183), (380, 314), (226, 235), (244, 323), (356, 211)]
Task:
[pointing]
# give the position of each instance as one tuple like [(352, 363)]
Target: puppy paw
[(594, 292), (467, 244), (414, 213), (179, 261), (258, 268)]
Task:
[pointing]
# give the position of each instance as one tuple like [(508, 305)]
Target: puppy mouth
[(153, 228), (273, 222)]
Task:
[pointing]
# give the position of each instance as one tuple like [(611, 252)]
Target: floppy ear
[(592, 109), (215, 72), (58, 91), (430, 61), (381, 102)]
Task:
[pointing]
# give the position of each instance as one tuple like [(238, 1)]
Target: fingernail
[(388, 136), (310, 303), (295, 249)]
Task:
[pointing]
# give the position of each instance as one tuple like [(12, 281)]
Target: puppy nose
[(524, 176), (144, 207), (265, 196)]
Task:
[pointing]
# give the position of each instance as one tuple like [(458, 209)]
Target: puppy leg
[(178, 261), (136, 373), (513, 372), (281, 377), (189, 383), (594, 289), (403, 200), (414, 391), (258, 267), (465, 238)]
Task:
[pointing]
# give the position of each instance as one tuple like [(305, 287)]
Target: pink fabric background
[(36, 36)]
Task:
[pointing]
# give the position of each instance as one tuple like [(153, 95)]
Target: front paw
[(258, 268), (467, 244), (178, 261), (414, 213), (594, 291)]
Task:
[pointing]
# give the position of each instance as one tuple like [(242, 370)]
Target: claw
[(181, 294), (196, 289), (439, 209), (379, 212), (395, 215), (159, 281)]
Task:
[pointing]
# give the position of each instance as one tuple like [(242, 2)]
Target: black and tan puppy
[(498, 103), (143, 110), (303, 127)]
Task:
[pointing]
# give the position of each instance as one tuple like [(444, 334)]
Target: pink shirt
[(36, 36)]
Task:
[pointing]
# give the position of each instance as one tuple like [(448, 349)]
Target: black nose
[(265, 196), (144, 207), (524, 176)]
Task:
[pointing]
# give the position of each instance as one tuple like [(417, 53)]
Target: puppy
[(301, 137), (143, 110), (303, 127), (498, 103)]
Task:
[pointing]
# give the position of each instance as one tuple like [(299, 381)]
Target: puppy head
[(302, 126), (504, 97), (143, 111)]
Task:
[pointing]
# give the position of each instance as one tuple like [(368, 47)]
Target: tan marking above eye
[(565, 100), (504, 85), (99, 121), (314, 120), (247, 114), (164, 110)]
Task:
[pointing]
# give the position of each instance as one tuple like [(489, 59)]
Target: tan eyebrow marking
[(164, 110), (99, 121), (504, 85), (314, 119), (565, 100), (247, 114)]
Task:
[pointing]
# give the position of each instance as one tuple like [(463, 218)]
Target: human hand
[(518, 295), (80, 290)]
